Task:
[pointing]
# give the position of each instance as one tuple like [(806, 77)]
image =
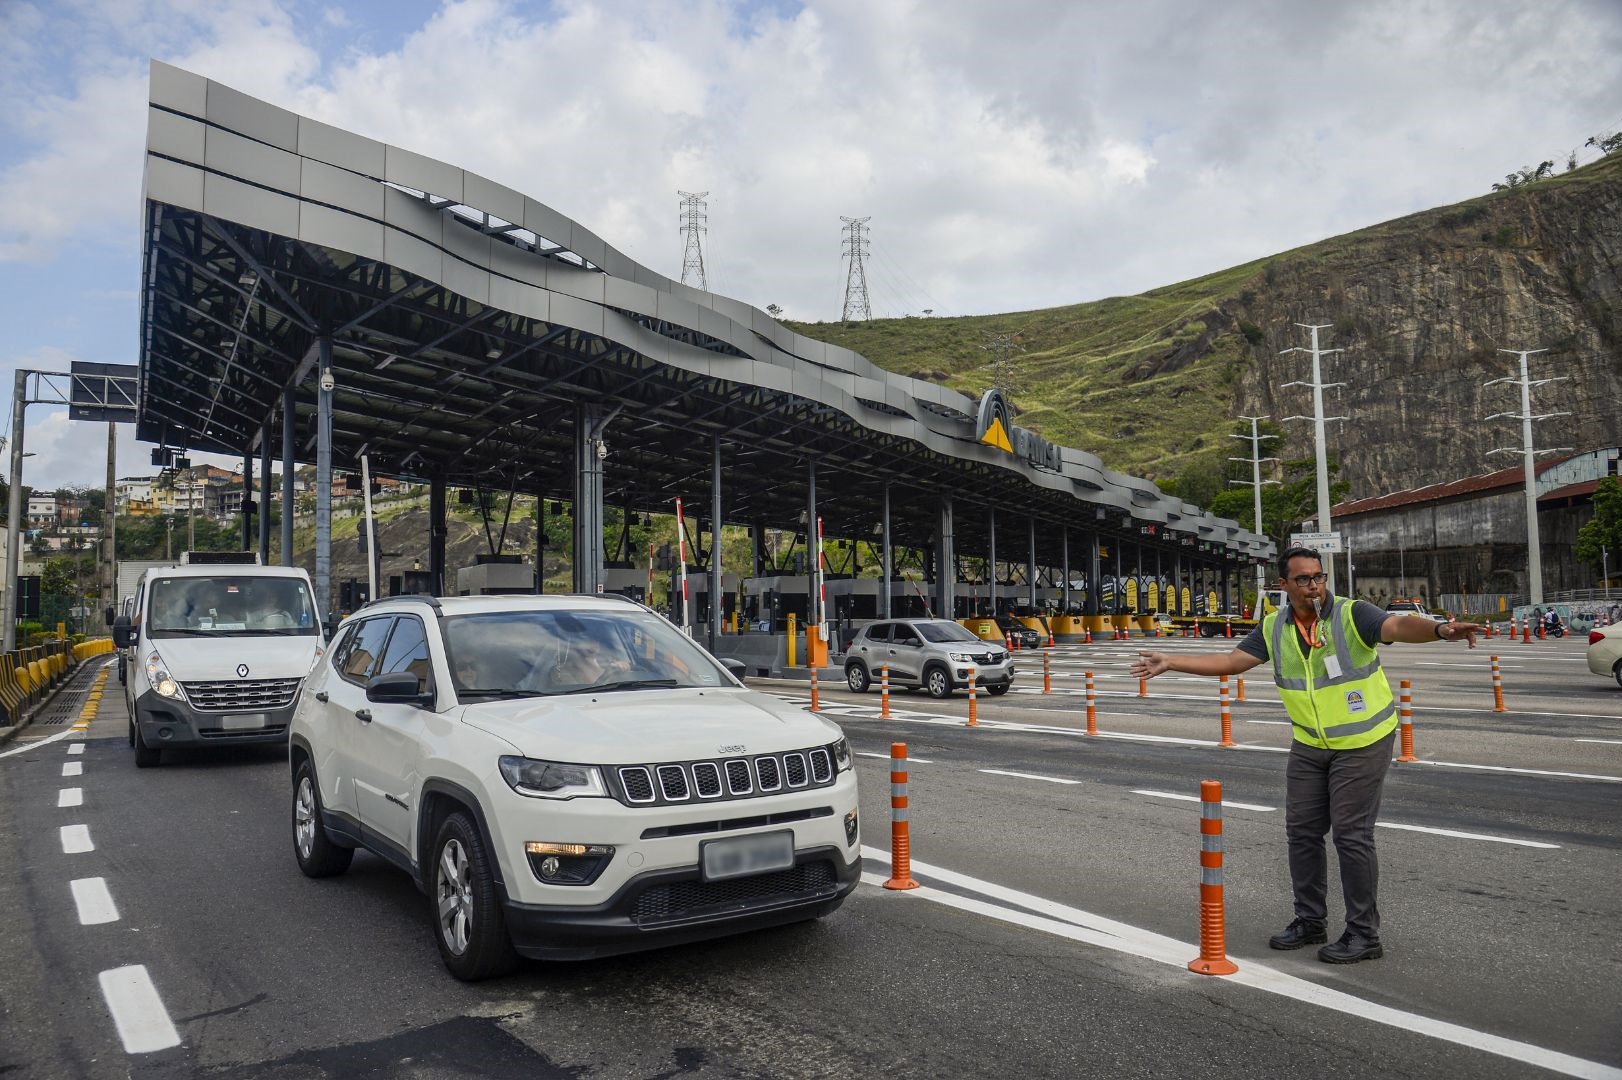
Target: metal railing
[(27, 676)]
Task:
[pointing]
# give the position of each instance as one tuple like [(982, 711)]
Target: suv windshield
[(945, 631), (504, 654), (229, 606)]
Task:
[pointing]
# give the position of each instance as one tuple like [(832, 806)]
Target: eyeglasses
[(1303, 580)]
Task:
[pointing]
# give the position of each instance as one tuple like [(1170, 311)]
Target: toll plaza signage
[(994, 426)]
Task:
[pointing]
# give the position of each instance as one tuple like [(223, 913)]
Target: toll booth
[(698, 597), (495, 575), (770, 600), (411, 583), (628, 582)]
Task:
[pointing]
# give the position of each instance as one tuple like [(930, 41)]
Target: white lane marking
[(1064, 921), (76, 839), (143, 1022), (1196, 798), (94, 902), (886, 757), (73, 768), (1029, 776), (1275, 723), (76, 748), (1607, 742), (1522, 772), (1476, 667), (70, 796), (1464, 835), (37, 743)]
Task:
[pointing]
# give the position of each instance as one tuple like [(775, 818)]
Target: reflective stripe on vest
[(1339, 712)]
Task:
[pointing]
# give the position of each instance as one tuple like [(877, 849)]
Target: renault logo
[(242, 671)]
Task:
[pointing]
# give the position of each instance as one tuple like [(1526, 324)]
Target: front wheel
[(856, 677), (468, 923), (313, 847), (938, 683), (145, 756), (1617, 671)]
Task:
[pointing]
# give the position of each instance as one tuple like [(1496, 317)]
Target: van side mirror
[(123, 633)]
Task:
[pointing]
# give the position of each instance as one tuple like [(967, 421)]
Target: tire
[(857, 678), (146, 757), (938, 683), (318, 856), (469, 927), (1617, 671), (999, 690)]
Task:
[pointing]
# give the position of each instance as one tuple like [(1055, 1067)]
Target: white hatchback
[(566, 777)]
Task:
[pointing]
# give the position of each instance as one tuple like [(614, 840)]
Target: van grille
[(727, 779), (244, 695)]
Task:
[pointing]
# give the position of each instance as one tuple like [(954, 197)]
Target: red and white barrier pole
[(884, 691), (1405, 721), (1092, 706), (974, 718), (1497, 688), (900, 836), (1213, 958), (1227, 717), (681, 544), (1047, 671)]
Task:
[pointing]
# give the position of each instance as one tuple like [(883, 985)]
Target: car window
[(363, 652), (879, 632), (340, 647), (904, 634), (561, 651), (946, 631), (407, 651)]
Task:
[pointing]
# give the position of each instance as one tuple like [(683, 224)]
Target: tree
[(774, 311), (1606, 144), (1603, 532)]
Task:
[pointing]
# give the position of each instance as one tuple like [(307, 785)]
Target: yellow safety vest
[(1337, 695)]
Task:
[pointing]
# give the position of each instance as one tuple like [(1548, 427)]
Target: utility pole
[(855, 249), (1534, 556), (109, 522), (693, 218), (1318, 418), (1256, 482)]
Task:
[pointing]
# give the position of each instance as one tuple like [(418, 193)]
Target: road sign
[(1329, 543), (103, 392)]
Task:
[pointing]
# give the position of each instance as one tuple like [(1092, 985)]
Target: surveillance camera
[(327, 381), (602, 450)]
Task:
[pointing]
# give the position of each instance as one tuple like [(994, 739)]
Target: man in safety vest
[(1327, 669)]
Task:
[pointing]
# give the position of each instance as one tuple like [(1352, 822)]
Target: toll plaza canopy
[(475, 336)]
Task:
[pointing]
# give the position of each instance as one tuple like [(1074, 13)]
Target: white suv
[(566, 777)]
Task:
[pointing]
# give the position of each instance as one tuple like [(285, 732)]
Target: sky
[(1011, 155)]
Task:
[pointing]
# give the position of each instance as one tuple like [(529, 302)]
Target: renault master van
[(216, 652)]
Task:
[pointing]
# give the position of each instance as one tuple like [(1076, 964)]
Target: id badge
[(1332, 666)]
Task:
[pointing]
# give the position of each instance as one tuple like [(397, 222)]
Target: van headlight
[(551, 779), (159, 678), (841, 754)]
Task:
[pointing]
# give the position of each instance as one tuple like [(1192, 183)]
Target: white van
[(217, 649)]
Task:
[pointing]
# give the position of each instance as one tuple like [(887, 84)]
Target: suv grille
[(724, 780), (681, 899), (245, 695)]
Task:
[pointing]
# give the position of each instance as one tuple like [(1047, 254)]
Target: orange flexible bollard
[(1240, 686), (1092, 706), (1213, 958), (1047, 672), (1497, 688), (1227, 717), (900, 836), (1230, 628), (1541, 636), (815, 703), (1526, 630), (1089, 632), (1489, 629), (1143, 687), (1050, 637), (1405, 720), (974, 719), (884, 691)]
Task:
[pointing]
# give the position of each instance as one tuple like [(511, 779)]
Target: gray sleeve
[(1369, 620), (1254, 643)]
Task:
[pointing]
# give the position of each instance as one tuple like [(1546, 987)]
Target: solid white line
[(76, 839), (1464, 835), (143, 1022), (1607, 742), (1029, 776), (1196, 798), (76, 748), (1064, 921), (37, 743), (73, 768), (95, 903), (1522, 772), (1275, 723), (70, 796), (886, 757)]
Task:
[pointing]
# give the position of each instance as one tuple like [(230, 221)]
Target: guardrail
[(27, 676)]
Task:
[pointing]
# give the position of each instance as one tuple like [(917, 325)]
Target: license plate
[(742, 856), (244, 722)]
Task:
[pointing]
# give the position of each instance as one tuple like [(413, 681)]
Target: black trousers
[(1339, 790)]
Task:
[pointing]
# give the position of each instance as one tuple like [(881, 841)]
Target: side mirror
[(399, 687), (109, 615), (736, 668), (123, 633)]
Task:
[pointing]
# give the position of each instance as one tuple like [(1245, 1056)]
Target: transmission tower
[(1318, 418), (692, 218), (1529, 454), (1003, 348), (1256, 439), (855, 248)]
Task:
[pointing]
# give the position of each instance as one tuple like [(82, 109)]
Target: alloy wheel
[(454, 897)]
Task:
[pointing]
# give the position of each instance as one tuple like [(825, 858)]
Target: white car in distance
[(566, 777)]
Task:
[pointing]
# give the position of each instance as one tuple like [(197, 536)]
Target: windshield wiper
[(184, 631), (501, 692), (623, 684)]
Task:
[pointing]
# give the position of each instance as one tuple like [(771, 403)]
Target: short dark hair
[(1296, 553)]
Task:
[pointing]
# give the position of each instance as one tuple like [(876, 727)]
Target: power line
[(857, 307), (692, 218), (1534, 558)]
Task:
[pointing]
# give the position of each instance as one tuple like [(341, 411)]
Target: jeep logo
[(735, 748)]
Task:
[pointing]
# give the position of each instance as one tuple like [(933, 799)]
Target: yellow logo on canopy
[(998, 437)]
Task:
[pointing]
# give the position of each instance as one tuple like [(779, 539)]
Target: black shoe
[(1351, 948), (1300, 932)]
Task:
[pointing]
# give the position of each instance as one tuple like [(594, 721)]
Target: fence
[(27, 676)]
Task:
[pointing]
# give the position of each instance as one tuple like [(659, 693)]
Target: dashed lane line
[(94, 902), (1061, 920), (73, 768), (1607, 742), (76, 839), (76, 749), (1465, 835), (886, 757), (70, 796), (1029, 776), (37, 743), (143, 1023), (1195, 798)]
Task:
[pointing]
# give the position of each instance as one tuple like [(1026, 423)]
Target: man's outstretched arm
[(1236, 662)]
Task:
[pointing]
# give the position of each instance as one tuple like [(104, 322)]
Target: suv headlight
[(841, 754), (159, 678), (551, 779)]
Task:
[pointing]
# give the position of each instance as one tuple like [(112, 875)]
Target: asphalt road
[(1058, 910)]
